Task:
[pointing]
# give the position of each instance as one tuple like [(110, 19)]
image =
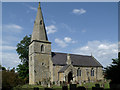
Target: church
[(48, 66)]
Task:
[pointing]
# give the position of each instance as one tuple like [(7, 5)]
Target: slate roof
[(76, 60), (59, 58), (64, 68)]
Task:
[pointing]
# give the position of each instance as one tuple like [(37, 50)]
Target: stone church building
[(45, 65)]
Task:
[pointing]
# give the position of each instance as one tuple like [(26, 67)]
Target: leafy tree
[(3, 68), (23, 50), (0, 67), (23, 71), (112, 72), (10, 79)]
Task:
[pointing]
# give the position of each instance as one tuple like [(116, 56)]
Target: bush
[(112, 72), (10, 79)]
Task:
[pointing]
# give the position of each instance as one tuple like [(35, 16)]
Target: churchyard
[(83, 86)]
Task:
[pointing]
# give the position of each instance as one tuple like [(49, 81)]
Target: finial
[(39, 4)]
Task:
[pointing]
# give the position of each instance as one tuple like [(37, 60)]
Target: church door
[(70, 74)]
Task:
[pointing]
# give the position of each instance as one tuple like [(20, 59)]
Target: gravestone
[(97, 88), (48, 89), (73, 86), (36, 88), (64, 87), (97, 85), (81, 88)]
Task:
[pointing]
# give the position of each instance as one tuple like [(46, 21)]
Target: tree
[(112, 72), (0, 67), (10, 79), (3, 68), (23, 51), (23, 48)]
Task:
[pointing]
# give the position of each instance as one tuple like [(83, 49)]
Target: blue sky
[(79, 28)]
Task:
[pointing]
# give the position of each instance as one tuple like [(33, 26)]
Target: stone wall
[(51, 70), (85, 74), (56, 69), (39, 64), (61, 76), (41, 67), (31, 64)]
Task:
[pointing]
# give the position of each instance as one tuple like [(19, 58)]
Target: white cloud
[(60, 43), (10, 59), (65, 42), (74, 41), (67, 27), (79, 11), (8, 55), (67, 39), (101, 50), (32, 8), (10, 39), (84, 48), (119, 46), (6, 48), (12, 28), (51, 29), (103, 46)]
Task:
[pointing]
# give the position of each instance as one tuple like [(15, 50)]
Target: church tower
[(39, 52)]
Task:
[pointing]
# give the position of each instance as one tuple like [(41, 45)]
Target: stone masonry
[(47, 66)]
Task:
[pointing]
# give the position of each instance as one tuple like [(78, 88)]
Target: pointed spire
[(39, 5), (39, 31)]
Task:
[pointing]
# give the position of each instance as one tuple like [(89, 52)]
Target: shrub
[(10, 79)]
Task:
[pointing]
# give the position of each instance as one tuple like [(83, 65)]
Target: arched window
[(92, 72), (42, 48), (78, 72)]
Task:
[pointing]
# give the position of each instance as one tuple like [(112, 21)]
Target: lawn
[(55, 87), (92, 84)]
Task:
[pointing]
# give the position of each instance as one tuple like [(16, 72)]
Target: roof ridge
[(72, 54), (59, 52), (64, 68), (60, 58)]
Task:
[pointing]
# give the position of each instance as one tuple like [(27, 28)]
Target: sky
[(85, 28)]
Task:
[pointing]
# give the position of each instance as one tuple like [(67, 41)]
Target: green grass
[(54, 86), (92, 84), (31, 86), (86, 85)]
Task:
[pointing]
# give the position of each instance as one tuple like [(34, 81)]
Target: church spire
[(39, 31), (39, 4)]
